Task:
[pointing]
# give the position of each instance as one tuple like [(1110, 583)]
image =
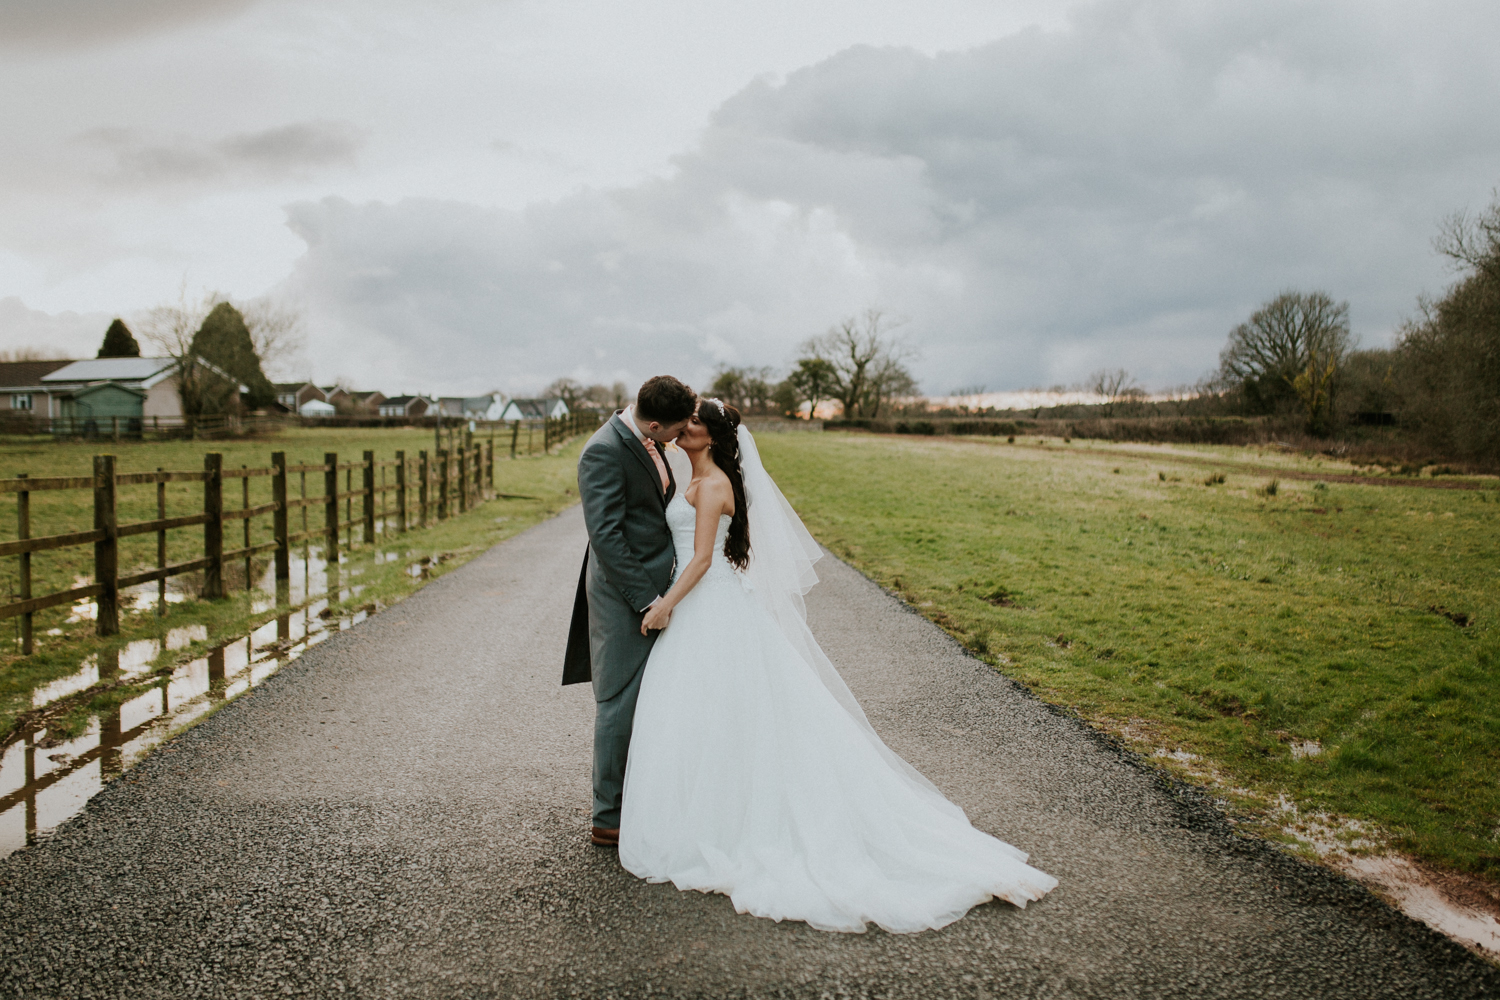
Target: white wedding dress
[(752, 772)]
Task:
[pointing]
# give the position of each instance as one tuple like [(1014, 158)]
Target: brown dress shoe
[(606, 837)]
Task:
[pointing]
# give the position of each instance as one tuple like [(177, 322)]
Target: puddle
[(311, 577), (46, 778), (1464, 909), (1460, 907), (1428, 897)]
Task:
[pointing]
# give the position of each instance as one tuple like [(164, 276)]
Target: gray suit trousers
[(613, 720), (614, 627)]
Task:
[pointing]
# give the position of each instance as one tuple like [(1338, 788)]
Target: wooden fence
[(524, 436), (427, 488)]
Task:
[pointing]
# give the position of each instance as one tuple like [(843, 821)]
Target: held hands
[(657, 616)]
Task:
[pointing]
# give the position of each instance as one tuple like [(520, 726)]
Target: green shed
[(101, 408)]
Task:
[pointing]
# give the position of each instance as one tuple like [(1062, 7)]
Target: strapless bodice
[(682, 518)]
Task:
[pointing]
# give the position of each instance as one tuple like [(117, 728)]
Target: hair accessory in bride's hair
[(717, 402)]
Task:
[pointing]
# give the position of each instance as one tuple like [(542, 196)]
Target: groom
[(625, 484)]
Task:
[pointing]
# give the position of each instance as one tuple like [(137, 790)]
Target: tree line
[(210, 340), (858, 363), (1439, 381)]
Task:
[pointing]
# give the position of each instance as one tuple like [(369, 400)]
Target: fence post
[(23, 530), (161, 545), (280, 527), (369, 497), (401, 491), (106, 551), (463, 480), (213, 528), (426, 477), (442, 497), (489, 464), (331, 511), (478, 471), (245, 505)]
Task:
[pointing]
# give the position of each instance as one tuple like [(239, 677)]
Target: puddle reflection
[(46, 778)]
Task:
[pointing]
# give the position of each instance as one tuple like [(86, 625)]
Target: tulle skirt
[(748, 778)]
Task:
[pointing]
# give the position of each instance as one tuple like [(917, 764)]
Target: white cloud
[(64, 335), (487, 194), (1119, 192)]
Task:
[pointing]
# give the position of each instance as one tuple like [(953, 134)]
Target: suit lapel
[(634, 446)]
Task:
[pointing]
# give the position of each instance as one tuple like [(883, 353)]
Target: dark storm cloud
[(1120, 192), (62, 23), (139, 159)]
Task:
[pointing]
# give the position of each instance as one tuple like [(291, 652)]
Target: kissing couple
[(729, 755)]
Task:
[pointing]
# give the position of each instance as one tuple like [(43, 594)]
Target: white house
[(534, 409), (487, 407), (317, 408)]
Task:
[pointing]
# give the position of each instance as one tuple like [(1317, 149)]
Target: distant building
[(295, 395), (22, 392), (366, 402), (534, 409), (121, 388), (487, 407), (318, 408), (404, 406), (448, 406)]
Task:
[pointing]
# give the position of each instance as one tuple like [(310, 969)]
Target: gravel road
[(402, 813)]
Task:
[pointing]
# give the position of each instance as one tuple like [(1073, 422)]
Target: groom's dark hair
[(665, 400)]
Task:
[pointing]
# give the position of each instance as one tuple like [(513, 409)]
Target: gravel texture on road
[(402, 813)]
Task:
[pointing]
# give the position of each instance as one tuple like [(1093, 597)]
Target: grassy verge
[(373, 574), (1304, 639)]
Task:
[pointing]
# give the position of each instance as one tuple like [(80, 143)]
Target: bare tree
[(1112, 385), (1293, 331), (278, 333), (868, 363), (171, 327), (1447, 363), (747, 389), (566, 389), (31, 354)]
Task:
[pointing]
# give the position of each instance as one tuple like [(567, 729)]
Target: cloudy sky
[(462, 195)]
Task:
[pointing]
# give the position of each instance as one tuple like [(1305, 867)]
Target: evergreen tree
[(119, 342), (224, 341)]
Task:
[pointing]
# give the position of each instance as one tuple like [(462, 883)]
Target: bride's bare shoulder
[(716, 489)]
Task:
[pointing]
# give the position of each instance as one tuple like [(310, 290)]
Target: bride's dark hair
[(721, 421)]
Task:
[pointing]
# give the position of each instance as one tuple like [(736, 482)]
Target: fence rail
[(426, 488), (527, 436)]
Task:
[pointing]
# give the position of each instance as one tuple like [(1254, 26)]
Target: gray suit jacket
[(628, 563)]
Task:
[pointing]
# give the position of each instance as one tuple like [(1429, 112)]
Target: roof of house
[(111, 369), (89, 388), (367, 395), (399, 400), (533, 407), (27, 373), (291, 386)]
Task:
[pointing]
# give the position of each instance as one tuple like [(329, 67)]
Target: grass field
[(1302, 640), (378, 573)]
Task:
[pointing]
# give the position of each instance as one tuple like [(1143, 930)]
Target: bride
[(752, 770)]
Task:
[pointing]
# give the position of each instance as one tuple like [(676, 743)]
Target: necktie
[(661, 467)]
